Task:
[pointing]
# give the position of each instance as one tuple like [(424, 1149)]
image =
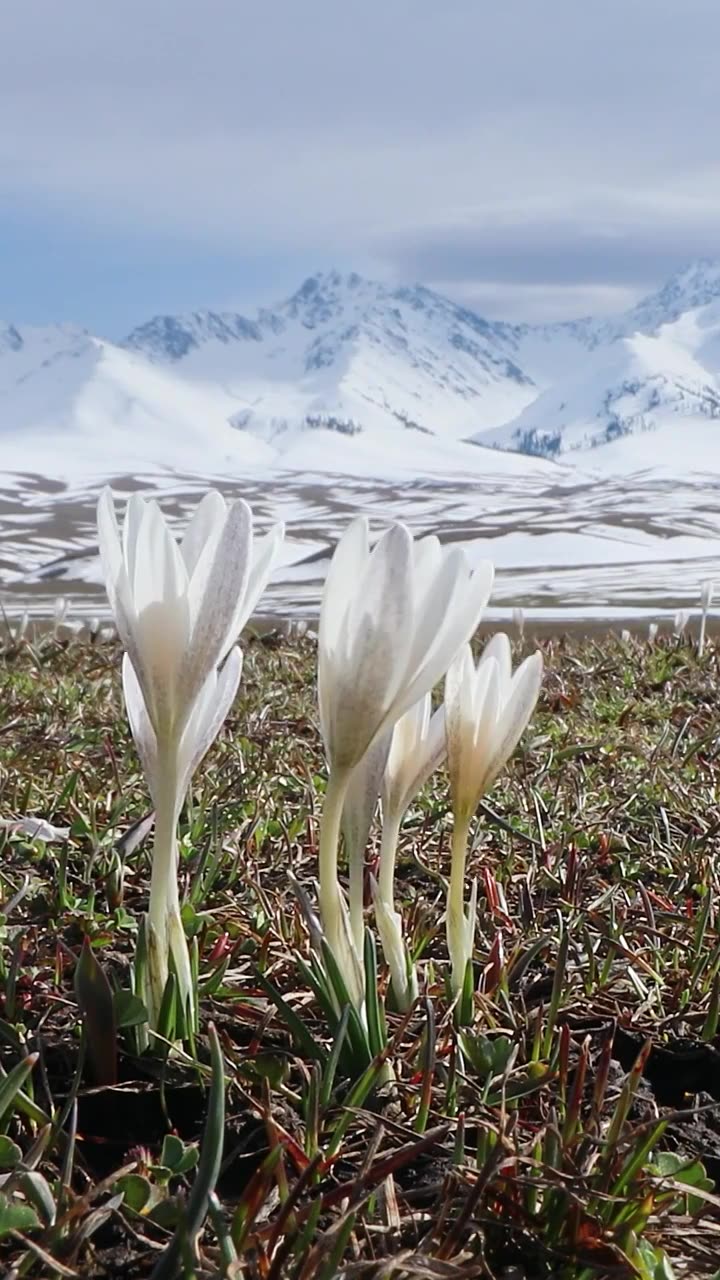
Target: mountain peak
[(324, 296), (693, 286)]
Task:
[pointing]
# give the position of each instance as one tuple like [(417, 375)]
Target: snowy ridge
[(345, 350), (350, 375), (629, 386)]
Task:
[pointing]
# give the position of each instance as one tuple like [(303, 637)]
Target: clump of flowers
[(395, 620)]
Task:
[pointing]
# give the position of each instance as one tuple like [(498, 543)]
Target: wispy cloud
[(563, 146)]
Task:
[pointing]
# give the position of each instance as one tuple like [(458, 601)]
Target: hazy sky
[(535, 158)]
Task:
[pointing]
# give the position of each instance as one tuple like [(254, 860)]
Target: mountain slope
[(630, 386), (352, 354), (72, 404), (350, 375)]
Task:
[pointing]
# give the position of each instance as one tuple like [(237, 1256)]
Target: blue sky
[(531, 159)]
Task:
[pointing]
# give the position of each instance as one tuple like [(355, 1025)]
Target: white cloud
[(537, 303), (566, 143)]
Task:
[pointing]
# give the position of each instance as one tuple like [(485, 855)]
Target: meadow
[(569, 1129)]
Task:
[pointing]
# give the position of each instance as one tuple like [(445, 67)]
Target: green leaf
[(377, 1028), (13, 1083), (97, 1007), (304, 1041), (10, 1153), (489, 1055), (464, 1007), (167, 1017), (129, 1009), (691, 1174), (36, 1189), (174, 1151), (16, 1216), (328, 1079), (361, 1055), (208, 1169), (138, 1192), (265, 1066)]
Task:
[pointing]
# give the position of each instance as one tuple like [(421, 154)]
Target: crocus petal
[(159, 572), (363, 792), (431, 755), (213, 600), (485, 720), (465, 704), (134, 513), (517, 712), (117, 584), (500, 649), (205, 525), (140, 725), (209, 715), (161, 629), (346, 567), (418, 748), (433, 618), (381, 607), (265, 553), (457, 606), (356, 689)]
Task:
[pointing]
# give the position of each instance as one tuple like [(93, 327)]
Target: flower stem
[(356, 870), (165, 927), (388, 851), (329, 836), (456, 921), (333, 912)]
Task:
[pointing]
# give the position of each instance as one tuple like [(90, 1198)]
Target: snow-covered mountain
[(624, 387), (349, 374), (652, 372), (350, 355)]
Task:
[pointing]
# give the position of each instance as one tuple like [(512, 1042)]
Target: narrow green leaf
[(377, 1029), (97, 1008), (208, 1168), (11, 1086), (331, 1066), (167, 1017), (304, 1041)]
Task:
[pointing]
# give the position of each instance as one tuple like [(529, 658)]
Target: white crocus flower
[(418, 747), (179, 610), (487, 709), (168, 774), (391, 621), (680, 621), (59, 615), (706, 598)]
